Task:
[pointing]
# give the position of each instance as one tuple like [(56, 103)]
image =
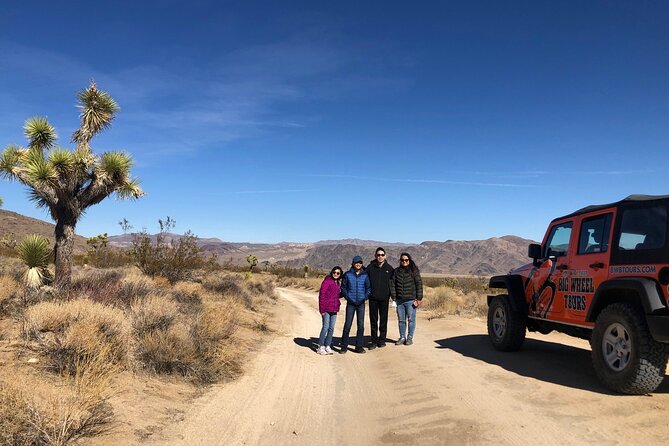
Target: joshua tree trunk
[(64, 250)]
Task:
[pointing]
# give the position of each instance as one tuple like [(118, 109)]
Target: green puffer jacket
[(404, 286)]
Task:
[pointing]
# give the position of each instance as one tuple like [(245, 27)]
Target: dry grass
[(119, 320), (444, 300), (310, 283), (153, 313), (10, 289), (69, 412), (68, 333)]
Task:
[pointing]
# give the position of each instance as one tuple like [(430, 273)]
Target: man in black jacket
[(379, 272)]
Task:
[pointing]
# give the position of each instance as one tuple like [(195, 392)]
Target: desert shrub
[(466, 284), (97, 285), (173, 259), (444, 300), (229, 285), (65, 419), (73, 333), (188, 295), (105, 257), (312, 283), (211, 332), (9, 293), (168, 351), (153, 313), (16, 426), (132, 288)]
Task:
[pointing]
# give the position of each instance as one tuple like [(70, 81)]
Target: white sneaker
[(321, 350), (328, 350)]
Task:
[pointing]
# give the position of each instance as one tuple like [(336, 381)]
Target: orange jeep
[(602, 274)]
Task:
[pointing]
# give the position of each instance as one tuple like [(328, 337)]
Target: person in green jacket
[(406, 289)]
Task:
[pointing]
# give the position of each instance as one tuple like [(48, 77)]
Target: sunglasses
[(358, 263), (380, 255), (404, 260), (336, 273)]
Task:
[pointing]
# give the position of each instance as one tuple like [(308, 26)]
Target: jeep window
[(594, 236), (643, 228), (558, 241)]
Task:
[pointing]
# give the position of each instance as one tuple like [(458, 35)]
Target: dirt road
[(450, 387)]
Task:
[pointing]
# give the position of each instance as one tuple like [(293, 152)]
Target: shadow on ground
[(552, 362), (312, 342)]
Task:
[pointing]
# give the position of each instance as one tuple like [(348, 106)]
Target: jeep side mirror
[(534, 251)]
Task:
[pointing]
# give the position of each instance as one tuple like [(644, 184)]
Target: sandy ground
[(450, 387)]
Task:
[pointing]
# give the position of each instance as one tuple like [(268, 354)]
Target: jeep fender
[(640, 289), (513, 283)]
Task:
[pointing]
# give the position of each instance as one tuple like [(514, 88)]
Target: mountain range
[(495, 255)]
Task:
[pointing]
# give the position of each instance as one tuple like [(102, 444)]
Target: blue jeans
[(359, 312), (406, 310), (329, 319)]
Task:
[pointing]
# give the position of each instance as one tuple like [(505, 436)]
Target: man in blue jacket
[(356, 289)]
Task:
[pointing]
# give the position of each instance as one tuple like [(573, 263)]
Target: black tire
[(506, 328), (625, 356)]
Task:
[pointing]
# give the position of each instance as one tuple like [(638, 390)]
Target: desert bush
[(153, 313), (9, 292), (72, 333), (188, 295), (168, 351), (444, 300), (16, 418), (132, 288), (64, 419), (466, 284), (11, 266), (174, 260), (230, 285), (97, 285), (105, 257), (312, 283)]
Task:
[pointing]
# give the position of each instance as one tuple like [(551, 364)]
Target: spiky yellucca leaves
[(97, 113), (40, 134), (35, 252)]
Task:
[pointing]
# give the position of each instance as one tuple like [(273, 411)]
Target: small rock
[(33, 361)]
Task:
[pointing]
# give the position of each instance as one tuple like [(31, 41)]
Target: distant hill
[(19, 226), (478, 257), (495, 255)]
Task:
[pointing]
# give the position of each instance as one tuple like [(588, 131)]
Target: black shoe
[(342, 350), (372, 347), (381, 344), (359, 349)]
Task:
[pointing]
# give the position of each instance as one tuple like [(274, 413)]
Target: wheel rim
[(499, 322), (617, 347)]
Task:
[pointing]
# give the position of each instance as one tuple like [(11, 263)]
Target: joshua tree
[(253, 261), (34, 251), (67, 182)]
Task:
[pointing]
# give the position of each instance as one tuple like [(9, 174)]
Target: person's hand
[(416, 303)]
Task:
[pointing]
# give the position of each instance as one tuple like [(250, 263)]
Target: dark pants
[(378, 320), (359, 311)]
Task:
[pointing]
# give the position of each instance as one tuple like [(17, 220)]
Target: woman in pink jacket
[(328, 306)]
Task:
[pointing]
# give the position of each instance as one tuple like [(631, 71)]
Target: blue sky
[(393, 121)]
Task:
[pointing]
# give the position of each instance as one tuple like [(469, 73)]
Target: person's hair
[(341, 272), (379, 249), (412, 266)]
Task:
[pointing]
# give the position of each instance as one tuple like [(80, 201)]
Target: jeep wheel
[(625, 356), (506, 328)]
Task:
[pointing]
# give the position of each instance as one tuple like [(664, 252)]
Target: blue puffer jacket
[(356, 288)]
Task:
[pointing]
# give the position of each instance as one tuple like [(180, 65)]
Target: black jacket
[(379, 278), (405, 286)]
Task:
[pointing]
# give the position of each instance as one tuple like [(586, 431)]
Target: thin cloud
[(428, 181), (270, 191)]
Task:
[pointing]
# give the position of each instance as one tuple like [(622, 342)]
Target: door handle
[(562, 267), (597, 265)]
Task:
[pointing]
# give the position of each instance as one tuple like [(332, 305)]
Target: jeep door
[(588, 265), (542, 286)]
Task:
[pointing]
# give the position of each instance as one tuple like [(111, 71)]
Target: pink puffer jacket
[(328, 296)]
